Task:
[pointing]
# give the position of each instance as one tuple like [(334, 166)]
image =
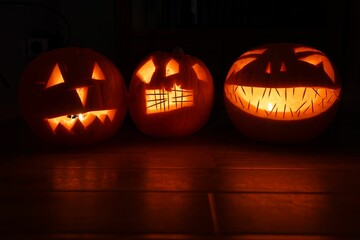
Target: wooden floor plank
[(72, 236), (106, 212), (214, 184), (181, 180), (307, 214)]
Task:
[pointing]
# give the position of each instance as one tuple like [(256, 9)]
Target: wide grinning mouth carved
[(293, 103), (85, 119), (161, 100)]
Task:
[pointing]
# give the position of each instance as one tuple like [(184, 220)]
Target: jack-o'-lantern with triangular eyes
[(282, 92), (73, 96), (171, 94)]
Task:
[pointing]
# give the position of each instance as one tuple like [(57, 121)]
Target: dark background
[(216, 31), (211, 185)]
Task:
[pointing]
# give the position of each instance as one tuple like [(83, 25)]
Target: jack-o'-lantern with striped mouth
[(282, 92), (170, 94), (73, 96)]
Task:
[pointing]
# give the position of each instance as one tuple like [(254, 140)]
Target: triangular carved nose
[(268, 68), (282, 68), (82, 93)]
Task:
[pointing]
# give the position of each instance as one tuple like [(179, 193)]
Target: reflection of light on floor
[(271, 200), (143, 198), (81, 179)]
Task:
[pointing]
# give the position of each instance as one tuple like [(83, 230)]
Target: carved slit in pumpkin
[(160, 100), (305, 102), (68, 121)]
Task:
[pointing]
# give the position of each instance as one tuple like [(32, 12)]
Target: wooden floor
[(215, 184)]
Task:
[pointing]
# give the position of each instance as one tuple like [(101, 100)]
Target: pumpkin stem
[(178, 50)]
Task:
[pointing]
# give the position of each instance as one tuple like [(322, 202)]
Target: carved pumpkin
[(282, 92), (73, 96), (171, 94)]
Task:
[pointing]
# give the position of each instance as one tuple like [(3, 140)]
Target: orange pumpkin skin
[(282, 93), (73, 96), (170, 94)]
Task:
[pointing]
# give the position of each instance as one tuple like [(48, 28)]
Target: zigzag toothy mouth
[(68, 121), (160, 100), (282, 103)]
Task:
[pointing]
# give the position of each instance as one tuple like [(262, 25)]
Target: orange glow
[(68, 121), (316, 59), (55, 78), (172, 67), (268, 68), (200, 72), (82, 93), (240, 64), (146, 71), (160, 100), (306, 49), (283, 68), (256, 52), (282, 103), (102, 115), (97, 73)]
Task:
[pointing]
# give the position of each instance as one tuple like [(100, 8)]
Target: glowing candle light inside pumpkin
[(81, 117), (282, 103), (280, 85), (159, 100), (170, 94), (73, 96)]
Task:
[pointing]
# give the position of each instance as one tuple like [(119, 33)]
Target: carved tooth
[(277, 92), (263, 93), (68, 124), (298, 110), (102, 117), (111, 114), (53, 122), (235, 88), (243, 90), (306, 109), (329, 98), (316, 92), (303, 94), (273, 108), (88, 119), (312, 106)]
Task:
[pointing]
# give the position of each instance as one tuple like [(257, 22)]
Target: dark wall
[(216, 31), (31, 27)]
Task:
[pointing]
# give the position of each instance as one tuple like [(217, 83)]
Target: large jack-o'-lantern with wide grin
[(73, 96), (282, 92), (171, 94)]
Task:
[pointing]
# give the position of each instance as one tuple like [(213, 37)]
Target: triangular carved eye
[(172, 67), (97, 73), (200, 72), (55, 77), (317, 60), (240, 64), (146, 71)]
